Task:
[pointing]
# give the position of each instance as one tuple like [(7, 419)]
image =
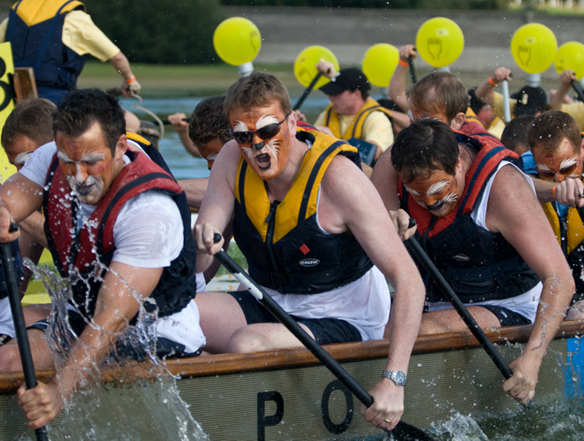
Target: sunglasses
[(265, 132), (549, 174)]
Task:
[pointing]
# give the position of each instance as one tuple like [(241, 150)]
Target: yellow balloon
[(379, 63), (570, 56), (534, 47), (237, 41), (306, 61), (439, 41)]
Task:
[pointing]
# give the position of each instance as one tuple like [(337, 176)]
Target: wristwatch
[(398, 377)]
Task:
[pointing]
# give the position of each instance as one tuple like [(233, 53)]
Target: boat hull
[(288, 395)]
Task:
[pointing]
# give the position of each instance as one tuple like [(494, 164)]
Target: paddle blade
[(406, 432)]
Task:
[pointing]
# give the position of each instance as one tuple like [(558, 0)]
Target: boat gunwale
[(192, 367)]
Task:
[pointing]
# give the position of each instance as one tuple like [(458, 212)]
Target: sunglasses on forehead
[(265, 132)]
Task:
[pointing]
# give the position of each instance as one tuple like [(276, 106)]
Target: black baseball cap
[(530, 100), (348, 79)]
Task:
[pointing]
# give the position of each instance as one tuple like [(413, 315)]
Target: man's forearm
[(121, 65), (34, 227), (195, 190)]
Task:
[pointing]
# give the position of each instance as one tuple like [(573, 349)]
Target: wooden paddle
[(307, 91), (422, 258), (402, 430), (19, 324)]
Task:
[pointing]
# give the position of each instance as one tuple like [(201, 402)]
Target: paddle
[(19, 325), (412, 69), (402, 430), (578, 88), (307, 91), (420, 255), (167, 123)]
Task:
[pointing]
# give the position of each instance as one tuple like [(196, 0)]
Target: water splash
[(118, 398)]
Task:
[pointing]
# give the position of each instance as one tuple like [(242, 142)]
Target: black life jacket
[(478, 264), (37, 42), (285, 248), (90, 252)]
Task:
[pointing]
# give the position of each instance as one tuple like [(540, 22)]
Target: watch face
[(399, 378)]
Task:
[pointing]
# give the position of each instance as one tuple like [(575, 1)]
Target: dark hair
[(440, 92), (81, 108), (425, 145), (208, 122), (550, 128), (257, 90), (515, 134), (32, 118)]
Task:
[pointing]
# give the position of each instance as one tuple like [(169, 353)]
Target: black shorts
[(122, 350), (325, 330), (506, 316)]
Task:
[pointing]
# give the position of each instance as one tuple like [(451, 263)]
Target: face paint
[(20, 159), (266, 155), (438, 193), (563, 163), (88, 164)]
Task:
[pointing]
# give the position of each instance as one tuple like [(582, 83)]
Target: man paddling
[(118, 220), (307, 220), (477, 218)]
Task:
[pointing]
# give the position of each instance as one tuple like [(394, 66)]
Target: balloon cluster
[(439, 42)]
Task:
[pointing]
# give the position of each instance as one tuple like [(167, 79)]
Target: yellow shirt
[(499, 105), (377, 128), (576, 111), (81, 35)]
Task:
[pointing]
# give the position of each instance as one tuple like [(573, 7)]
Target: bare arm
[(484, 91), (514, 212), (349, 201), (122, 66), (33, 226), (217, 206), (568, 192), (385, 179), (181, 128), (195, 190), (116, 306), (397, 85), (566, 79), (19, 198)]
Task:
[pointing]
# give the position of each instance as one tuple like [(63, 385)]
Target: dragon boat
[(289, 395)]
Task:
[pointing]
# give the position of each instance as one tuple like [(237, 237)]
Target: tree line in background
[(160, 31), (399, 4)]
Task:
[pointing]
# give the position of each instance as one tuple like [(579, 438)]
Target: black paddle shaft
[(412, 69), (307, 91), (402, 431), (420, 255), (578, 88), (19, 324)]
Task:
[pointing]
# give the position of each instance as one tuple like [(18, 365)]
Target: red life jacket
[(91, 249), (490, 153)]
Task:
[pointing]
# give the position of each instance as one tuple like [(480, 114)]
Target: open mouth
[(435, 207), (83, 190), (263, 161)]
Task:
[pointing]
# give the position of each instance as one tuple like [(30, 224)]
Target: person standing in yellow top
[(352, 112), (54, 37)]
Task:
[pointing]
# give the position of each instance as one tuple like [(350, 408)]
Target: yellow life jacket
[(575, 232), (471, 116), (256, 199), (283, 243), (496, 127), (35, 11), (355, 129)]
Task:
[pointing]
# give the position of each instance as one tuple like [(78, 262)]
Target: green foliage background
[(160, 31), (401, 4)]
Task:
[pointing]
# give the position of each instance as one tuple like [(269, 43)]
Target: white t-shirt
[(524, 304), (148, 232)]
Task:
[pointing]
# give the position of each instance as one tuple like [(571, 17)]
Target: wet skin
[(88, 164)]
